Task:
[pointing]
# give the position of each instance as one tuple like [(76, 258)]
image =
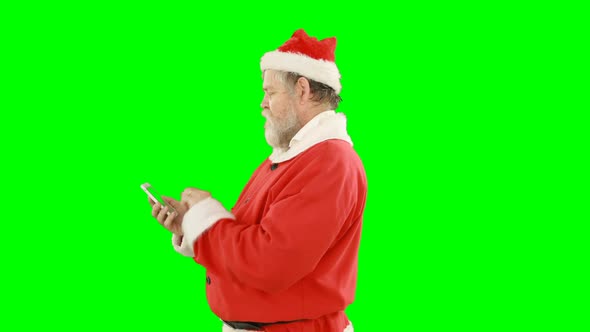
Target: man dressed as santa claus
[(285, 257)]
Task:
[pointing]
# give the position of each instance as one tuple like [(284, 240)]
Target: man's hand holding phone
[(172, 221), (170, 212)]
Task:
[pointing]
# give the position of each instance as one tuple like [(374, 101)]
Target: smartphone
[(155, 196)]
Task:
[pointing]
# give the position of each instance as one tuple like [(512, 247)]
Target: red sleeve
[(299, 227)]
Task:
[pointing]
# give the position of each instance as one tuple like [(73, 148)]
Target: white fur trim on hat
[(197, 220), (318, 70)]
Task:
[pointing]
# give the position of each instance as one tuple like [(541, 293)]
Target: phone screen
[(153, 194), (156, 195)]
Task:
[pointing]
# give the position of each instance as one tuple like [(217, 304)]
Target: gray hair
[(321, 92)]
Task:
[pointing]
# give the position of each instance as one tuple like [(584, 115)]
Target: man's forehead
[(268, 81)]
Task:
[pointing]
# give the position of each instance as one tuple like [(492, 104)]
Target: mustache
[(269, 118)]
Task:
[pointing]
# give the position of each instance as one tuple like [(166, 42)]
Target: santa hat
[(306, 56)]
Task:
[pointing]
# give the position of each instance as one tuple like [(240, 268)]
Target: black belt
[(254, 325)]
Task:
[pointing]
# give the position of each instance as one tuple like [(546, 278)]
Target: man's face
[(279, 110)]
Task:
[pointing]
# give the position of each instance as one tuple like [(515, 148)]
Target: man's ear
[(303, 90)]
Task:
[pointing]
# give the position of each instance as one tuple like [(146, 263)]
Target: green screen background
[(461, 113)]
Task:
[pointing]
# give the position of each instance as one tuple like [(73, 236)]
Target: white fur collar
[(324, 126)]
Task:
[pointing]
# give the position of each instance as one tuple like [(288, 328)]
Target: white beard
[(279, 132)]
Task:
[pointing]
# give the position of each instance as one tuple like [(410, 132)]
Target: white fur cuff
[(197, 220), (184, 250), (349, 328)]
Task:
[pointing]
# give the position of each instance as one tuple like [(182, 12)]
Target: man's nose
[(264, 103)]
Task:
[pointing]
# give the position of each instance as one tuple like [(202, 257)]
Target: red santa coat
[(288, 251)]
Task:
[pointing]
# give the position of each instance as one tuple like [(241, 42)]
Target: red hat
[(306, 56)]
